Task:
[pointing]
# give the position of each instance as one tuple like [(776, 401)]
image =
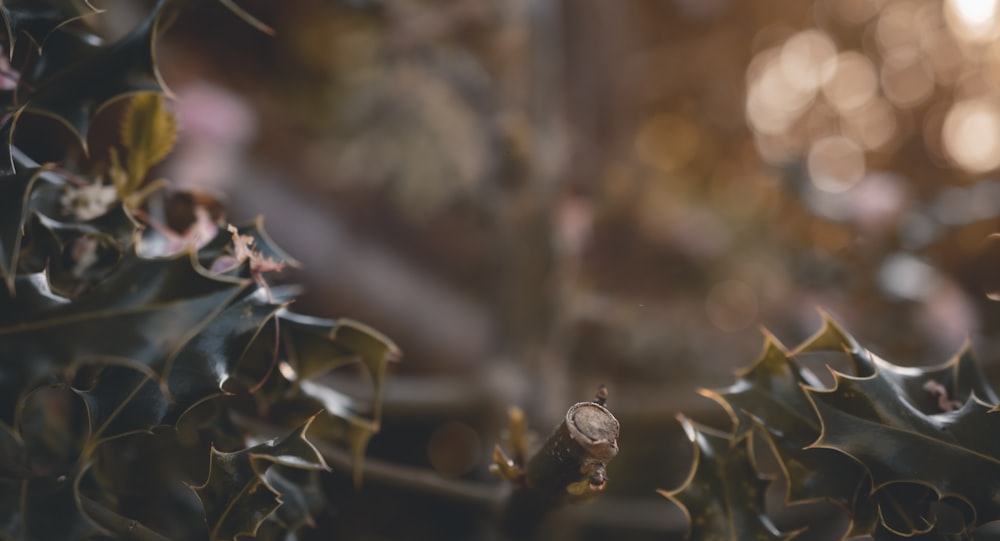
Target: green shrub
[(146, 365)]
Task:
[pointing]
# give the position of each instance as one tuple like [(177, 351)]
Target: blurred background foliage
[(533, 197)]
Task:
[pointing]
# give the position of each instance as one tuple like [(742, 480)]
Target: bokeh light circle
[(835, 164), (971, 135)]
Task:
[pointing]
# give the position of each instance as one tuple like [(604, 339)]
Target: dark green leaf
[(863, 511), (341, 421), (13, 457), (206, 362), (950, 519), (122, 479), (868, 419), (125, 399), (911, 511), (831, 337), (723, 496), (31, 296), (314, 347), (301, 496), (959, 378), (16, 186), (49, 511), (10, 509), (77, 255), (145, 310), (236, 497), (98, 506), (38, 18), (770, 390), (884, 534), (939, 388), (75, 78), (769, 395), (53, 440), (912, 514)]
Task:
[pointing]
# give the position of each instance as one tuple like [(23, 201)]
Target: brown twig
[(569, 467), (416, 479)]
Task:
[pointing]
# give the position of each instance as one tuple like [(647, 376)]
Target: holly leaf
[(316, 346), (75, 78), (236, 496), (770, 391), (40, 501), (13, 457), (125, 399), (15, 194), (769, 396), (31, 296), (10, 509), (870, 420), (908, 401), (902, 511), (16, 187), (723, 495), (36, 19), (143, 311), (210, 359), (931, 389), (831, 337), (40, 487), (301, 495), (47, 422), (884, 534), (75, 266)]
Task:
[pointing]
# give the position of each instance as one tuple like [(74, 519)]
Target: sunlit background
[(533, 197)]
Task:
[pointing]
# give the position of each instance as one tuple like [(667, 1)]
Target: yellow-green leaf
[(148, 133)]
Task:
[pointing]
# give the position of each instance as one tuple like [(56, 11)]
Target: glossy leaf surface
[(126, 398), (75, 77), (36, 19), (236, 496), (770, 395), (723, 496), (207, 361)]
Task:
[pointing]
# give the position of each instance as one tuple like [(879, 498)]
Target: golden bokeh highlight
[(816, 98), (774, 101), (873, 126), (897, 41), (973, 20), (836, 164), (853, 81), (971, 135), (909, 85), (856, 11), (802, 59)]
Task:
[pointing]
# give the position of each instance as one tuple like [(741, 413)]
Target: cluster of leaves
[(144, 355), (910, 453)]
